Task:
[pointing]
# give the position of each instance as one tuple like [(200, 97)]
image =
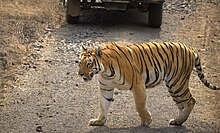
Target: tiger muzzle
[(89, 77)]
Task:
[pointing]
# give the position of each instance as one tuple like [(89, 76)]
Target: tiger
[(136, 67)]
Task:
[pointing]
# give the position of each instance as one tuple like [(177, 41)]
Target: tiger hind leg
[(184, 112), (185, 103)]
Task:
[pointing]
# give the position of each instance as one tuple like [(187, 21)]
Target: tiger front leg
[(139, 93), (106, 97)]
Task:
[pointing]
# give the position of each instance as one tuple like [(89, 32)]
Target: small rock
[(34, 67), (48, 29), (200, 36), (3, 63), (183, 6), (202, 50), (39, 129), (213, 40), (37, 45), (116, 92)]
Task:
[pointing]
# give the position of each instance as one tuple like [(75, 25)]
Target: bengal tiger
[(141, 66)]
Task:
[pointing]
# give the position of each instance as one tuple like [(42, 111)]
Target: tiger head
[(89, 64)]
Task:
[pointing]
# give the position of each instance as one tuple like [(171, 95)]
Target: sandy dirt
[(48, 95)]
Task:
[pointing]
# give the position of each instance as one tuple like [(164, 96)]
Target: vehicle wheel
[(71, 19), (72, 13), (155, 15)]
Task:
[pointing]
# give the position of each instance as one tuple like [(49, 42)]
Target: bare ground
[(22, 23), (48, 96)]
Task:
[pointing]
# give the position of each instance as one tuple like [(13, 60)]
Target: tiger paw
[(146, 120), (175, 122), (145, 124), (96, 122)]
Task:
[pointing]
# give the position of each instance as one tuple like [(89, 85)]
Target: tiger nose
[(81, 74)]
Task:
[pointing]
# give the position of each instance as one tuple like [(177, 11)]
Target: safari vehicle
[(153, 7)]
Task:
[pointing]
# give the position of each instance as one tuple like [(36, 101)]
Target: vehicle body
[(154, 7)]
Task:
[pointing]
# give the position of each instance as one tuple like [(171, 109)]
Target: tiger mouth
[(87, 78)]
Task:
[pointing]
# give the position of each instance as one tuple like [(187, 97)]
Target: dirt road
[(50, 97)]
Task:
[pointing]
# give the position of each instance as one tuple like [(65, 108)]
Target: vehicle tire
[(72, 13), (155, 15), (72, 19)]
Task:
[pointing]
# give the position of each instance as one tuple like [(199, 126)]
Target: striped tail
[(202, 76)]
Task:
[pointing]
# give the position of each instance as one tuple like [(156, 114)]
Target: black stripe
[(107, 55), (124, 54), (199, 69), (184, 57), (181, 85), (181, 67), (129, 63), (155, 67), (165, 60), (112, 71), (146, 67), (106, 89), (183, 94), (207, 83), (201, 75), (161, 57), (170, 61), (142, 56), (130, 53), (172, 52), (181, 101), (148, 56), (178, 75), (172, 76), (115, 51), (120, 72), (97, 62), (119, 68), (123, 80), (170, 69), (175, 70), (109, 99), (198, 65), (165, 43), (137, 55), (156, 72), (165, 51), (101, 83)]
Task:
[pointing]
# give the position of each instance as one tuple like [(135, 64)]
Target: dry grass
[(21, 23)]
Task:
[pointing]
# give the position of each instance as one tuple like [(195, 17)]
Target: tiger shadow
[(140, 129)]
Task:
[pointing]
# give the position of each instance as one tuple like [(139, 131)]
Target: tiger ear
[(98, 52), (84, 49)]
